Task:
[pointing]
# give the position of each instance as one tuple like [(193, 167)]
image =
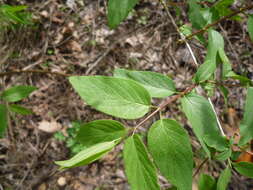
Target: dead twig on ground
[(7, 73)]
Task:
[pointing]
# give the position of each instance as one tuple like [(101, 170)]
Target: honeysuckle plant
[(128, 94)]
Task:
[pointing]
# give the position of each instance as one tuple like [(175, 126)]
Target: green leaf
[(222, 7), (59, 136), (220, 144), (156, 84), (140, 170), (15, 14), (243, 80), (100, 131), (206, 70), (225, 93), (202, 118), (244, 168), (20, 109), (206, 182), (114, 96), (224, 155), (250, 26), (88, 155), (246, 126), (170, 147), (3, 119), (13, 8), (17, 93), (118, 10), (224, 179), (195, 15), (226, 66)]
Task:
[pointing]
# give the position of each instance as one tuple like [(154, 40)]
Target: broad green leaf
[(206, 70), (201, 16), (114, 96), (206, 182), (244, 168), (100, 131), (246, 126), (224, 179), (20, 109), (170, 147), (250, 26), (140, 170), (156, 84), (88, 155), (17, 93), (3, 119), (195, 15), (202, 119), (118, 10), (223, 7)]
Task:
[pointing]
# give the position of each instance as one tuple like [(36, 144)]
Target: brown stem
[(164, 104), (224, 84), (241, 10), (200, 166), (33, 71)]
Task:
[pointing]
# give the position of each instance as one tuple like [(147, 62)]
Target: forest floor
[(75, 39)]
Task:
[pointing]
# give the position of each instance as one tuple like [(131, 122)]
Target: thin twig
[(34, 71), (200, 166), (241, 10), (183, 38), (164, 104)]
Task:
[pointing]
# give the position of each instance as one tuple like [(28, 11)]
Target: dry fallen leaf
[(49, 127), (74, 46)]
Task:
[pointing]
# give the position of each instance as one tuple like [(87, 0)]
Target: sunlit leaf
[(17, 93), (88, 155), (100, 131), (114, 96)]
